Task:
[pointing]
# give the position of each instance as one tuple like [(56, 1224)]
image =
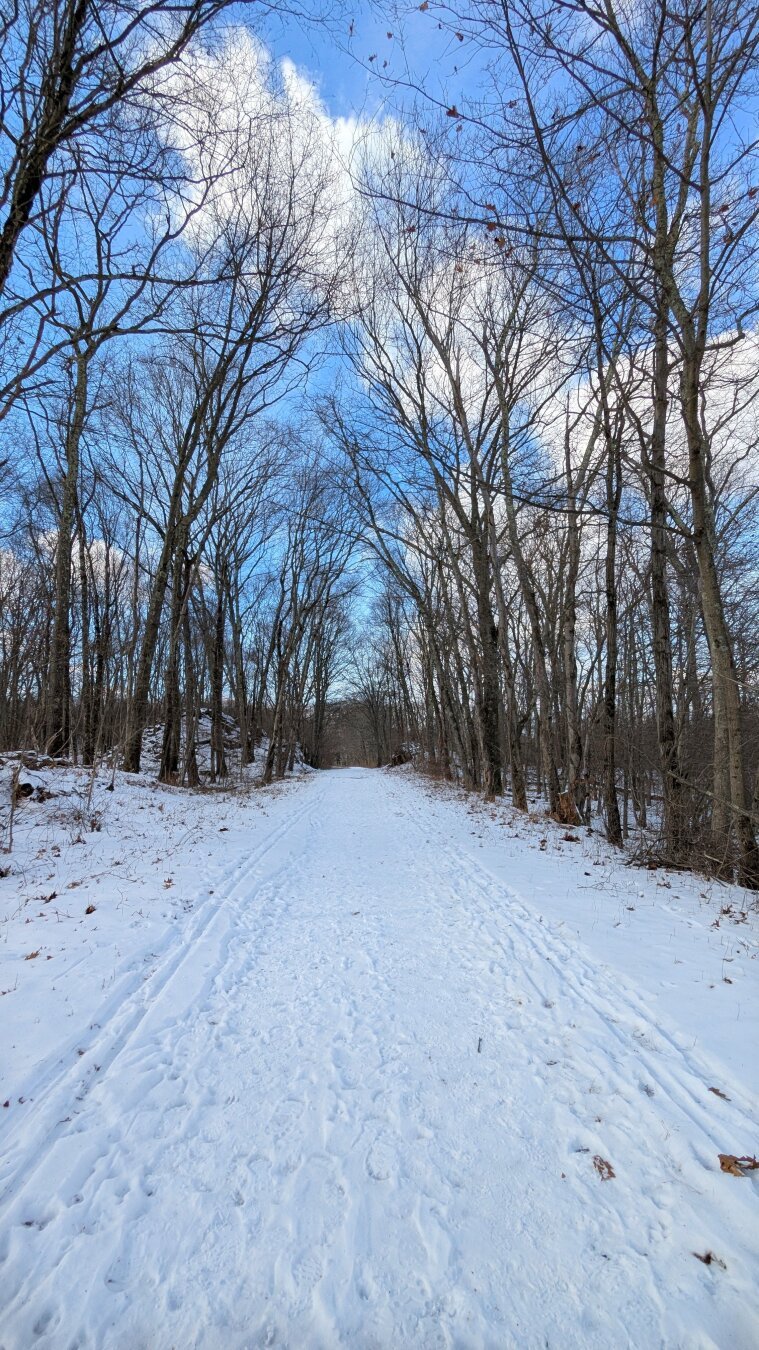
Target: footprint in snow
[(307, 1271), (47, 1321), (380, 1162)]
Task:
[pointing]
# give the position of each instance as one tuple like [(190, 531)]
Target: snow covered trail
[(363, 1102)]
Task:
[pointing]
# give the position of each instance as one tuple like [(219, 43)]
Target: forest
[(379, 674), (431, 433)]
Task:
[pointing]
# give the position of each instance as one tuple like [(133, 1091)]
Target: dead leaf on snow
[(737, 1167), (603, 1168), (32, 955), (717, 1093), (709, 1259)]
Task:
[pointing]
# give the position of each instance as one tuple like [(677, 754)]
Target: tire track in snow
[(120, 1018), (151, 1137), (318, 1156), (677, 1124), (565, 961)]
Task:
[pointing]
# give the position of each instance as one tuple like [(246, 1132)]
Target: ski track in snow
[(356, 1102)]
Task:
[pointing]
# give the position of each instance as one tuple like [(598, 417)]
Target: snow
[(338, 1063)]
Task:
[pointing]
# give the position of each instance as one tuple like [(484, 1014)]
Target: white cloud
[(259, 144)]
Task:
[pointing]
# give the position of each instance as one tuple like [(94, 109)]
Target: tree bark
[(59, 674)]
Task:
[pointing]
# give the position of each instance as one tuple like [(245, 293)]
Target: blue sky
[(336, 56)]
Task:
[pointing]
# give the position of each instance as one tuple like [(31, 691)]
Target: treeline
[(168, 258), (538, 309), (552, 438)]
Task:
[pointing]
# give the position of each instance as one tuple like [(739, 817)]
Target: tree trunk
[(569, 627), (490, 694), (727, 704), (669, 754), (544, 708), (59, 675), (218, 758), (139, 706), (172, 727), (613, 497), (190, 773)]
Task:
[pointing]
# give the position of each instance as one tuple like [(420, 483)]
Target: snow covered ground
[(360, 1062)]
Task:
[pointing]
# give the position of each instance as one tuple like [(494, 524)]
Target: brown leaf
[(32, 955), (717, 1093), (709, 1259), (452, 111), (603, 1168), (737, 1167), (90, 909)]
